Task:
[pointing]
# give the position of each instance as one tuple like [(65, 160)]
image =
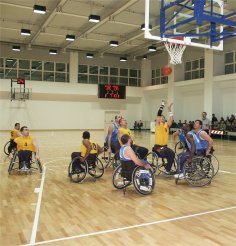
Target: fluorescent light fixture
[(16, 48), (144, 57), (114, 43), (9, 60), (94, 18), (89, 55), (70, 37), (39, 9), (52, 52), (143, 27), (25, 32), (152, 48), (123, 59)]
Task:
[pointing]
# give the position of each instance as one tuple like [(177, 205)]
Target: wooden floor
[(98, 214)]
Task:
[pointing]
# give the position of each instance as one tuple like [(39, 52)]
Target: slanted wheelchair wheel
[(198, 173), (96, 170), (180, 148), (76, 174), (215, 163), (6, 147), (13, 161), (118, 181), (39, 165), (152, 159), (143, 180)]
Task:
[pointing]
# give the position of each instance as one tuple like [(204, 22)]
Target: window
[(24, 64), (114, 71), (61, 67), (104, 70), (230, 62), (93, 69), (82, 78), (194, 69), (36, 65), (93, 79), (158, 78), (49, 66), (133, 82), (123, 81), (48, 76), (11, 63), (25, 74), (1, 62), (124, 72), (36, 75), (83, 69)]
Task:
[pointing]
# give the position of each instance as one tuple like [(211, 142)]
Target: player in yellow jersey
[(15, 132), (124, 130), (162, 137), (26, 145), (88, 150)]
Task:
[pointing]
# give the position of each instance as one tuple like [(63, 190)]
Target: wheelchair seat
[(127, 168)]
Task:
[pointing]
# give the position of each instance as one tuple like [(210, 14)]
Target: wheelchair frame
[(5, 148), (78, 176), (14, 162), (120, 182)]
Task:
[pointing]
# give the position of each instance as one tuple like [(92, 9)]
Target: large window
[(230, 62), (158, 78), (91, 74), (11, 68), (194, 69)]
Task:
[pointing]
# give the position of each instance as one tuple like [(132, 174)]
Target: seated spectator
[(232, 118), (213, 119), (135, 125), (222, 126), (185, 122), (215, 125), (228, 124), (222, 119), (180, 124), (233, 126), (174, 125)]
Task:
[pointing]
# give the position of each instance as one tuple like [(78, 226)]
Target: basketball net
[(175, 51)]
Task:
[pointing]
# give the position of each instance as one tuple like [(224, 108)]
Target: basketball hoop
[(175, 51)]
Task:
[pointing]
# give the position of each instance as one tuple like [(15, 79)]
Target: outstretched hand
[(169, 107)]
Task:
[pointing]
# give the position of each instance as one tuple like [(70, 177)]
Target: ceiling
[(120, 21)]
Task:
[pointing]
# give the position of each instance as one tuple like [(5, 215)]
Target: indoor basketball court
[(72, 70)]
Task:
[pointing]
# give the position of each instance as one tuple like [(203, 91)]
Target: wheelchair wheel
[(152, 159), (143, 180), (13, 161), (198, 173), (180, 148), (39, 165), (215, 163), (118, 181), (76, 174), (96, 170), (6, 148)]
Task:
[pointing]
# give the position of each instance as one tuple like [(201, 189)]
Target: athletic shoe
[(179, 176), (171, 173)]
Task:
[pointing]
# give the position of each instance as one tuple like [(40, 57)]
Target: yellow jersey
[(14, 134), (162, 134), (94, 150), (25, 143), (124, 131)]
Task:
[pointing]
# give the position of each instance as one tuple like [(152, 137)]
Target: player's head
[(125, 139), (117, 118), (17, 126), (86, 135), (197, 124), (24, 131), (204, 114), (163, 119), (186, 127), (123, 122)]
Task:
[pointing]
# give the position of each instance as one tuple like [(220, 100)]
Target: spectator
[(213, 119), (228, 124), (135, 125), (232, 118), (206, 123), (222, 120), (222, 126), (215, 125), (233, 126), (180, 124)]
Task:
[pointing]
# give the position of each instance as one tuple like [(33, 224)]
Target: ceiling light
[(16, 48), (52, 52), (152, 48), (89, 55), (39, 9), (143, 27), (25, 32), (144, 57), (114, 43), (70, 37), (94, 18), (123, 59), (10, 60)]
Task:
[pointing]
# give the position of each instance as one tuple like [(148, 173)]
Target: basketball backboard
[(201, 23)]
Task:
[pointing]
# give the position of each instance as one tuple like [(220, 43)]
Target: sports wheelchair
[(23, 166), (199, 172), (92, 166), (110, 159), (7, 150), (158, 164), (180, 147), (127, 173)]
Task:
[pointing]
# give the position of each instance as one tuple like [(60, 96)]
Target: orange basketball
[(166, 70)]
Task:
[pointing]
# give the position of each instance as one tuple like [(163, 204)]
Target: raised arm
[(119, 134), (159, 112), (100, 149), (171, 116), (175, 135), (205, 136)]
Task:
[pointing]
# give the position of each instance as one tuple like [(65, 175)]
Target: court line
[(222, 171), (132, 227), (40, 195)]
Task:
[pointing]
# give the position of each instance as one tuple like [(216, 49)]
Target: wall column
[(146, 72), (74, 58)]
